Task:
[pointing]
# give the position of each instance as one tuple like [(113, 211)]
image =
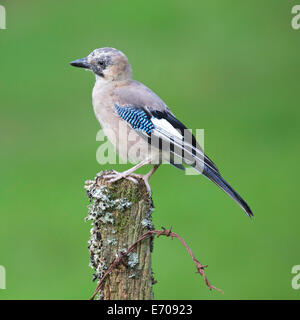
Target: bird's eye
[(101, 63)]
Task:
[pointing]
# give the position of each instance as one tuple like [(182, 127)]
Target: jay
[(159, 135)]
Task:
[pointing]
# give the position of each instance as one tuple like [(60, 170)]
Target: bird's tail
[(215, 177)]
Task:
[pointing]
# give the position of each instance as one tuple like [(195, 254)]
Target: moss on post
[(120, 214)]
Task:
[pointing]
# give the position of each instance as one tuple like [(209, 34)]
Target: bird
[(141, 121)]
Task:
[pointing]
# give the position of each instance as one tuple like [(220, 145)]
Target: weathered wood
[(120, 214)]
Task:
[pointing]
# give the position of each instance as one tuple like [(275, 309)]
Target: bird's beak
[(80, 63)]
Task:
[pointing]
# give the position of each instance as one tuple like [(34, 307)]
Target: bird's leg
[(115, 176), (146, 177)]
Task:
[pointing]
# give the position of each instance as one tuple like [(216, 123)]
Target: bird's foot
[(115, 176), (146, 181)]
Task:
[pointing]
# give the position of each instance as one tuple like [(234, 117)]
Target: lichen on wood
[(120, 213)]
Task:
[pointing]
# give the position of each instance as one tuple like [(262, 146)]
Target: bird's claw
[(115, 176)]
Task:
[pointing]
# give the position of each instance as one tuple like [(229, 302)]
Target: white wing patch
[(166, 126)]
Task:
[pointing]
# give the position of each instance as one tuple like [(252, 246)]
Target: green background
[(230, 67)]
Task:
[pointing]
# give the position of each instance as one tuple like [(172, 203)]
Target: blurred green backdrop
[(230, 67)]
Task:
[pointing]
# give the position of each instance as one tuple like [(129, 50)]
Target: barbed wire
[(164, 232)]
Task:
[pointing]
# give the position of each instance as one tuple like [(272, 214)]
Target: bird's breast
[(128, 144)]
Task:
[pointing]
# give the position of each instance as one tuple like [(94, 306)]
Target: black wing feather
[(181, 127)]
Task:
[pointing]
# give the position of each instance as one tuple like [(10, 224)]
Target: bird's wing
[(151, 118), (146, 113)]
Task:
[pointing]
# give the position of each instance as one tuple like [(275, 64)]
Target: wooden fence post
[(120, 213)]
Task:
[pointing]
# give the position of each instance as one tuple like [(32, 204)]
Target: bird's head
[(106, 63)]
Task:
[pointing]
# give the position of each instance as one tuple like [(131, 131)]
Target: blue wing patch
[(137, 118)]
